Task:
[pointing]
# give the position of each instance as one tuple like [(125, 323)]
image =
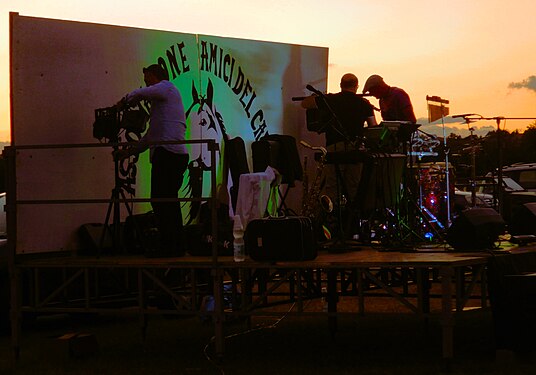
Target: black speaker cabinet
[(89, 238), (475, 229), (523, 220)]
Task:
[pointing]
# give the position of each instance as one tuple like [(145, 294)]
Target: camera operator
[(168, 161)]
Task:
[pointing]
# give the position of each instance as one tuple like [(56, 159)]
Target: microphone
[(464, 115), (312, 89), (298, 98)]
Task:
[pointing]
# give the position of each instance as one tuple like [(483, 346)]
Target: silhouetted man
[(395, 104), (168, 161), (347, 112)]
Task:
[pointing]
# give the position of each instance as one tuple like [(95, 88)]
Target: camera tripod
[(114, 210), (111, 123)]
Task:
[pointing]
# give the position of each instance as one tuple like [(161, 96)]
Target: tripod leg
[(129, 209), (106, 225), (118, 238), (114, 209)]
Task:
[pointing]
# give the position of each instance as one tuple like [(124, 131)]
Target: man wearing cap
[(348, 113), (395, 104), (168, 161)]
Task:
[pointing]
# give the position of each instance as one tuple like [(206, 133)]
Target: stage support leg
[(219, 338), (246, 292), (423, 294), (447, 319), (15, 311), (360, 291), (299, 290), (483, 287), (142, 304), (332, 301)]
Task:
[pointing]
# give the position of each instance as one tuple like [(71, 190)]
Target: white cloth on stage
[(254, 193)]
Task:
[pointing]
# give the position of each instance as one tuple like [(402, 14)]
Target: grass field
[(384, 341)]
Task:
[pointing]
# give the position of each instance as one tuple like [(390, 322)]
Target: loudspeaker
[(475, 229), (89, 239), (523, 220)]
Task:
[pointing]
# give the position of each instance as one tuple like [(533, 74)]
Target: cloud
[(528, 83)]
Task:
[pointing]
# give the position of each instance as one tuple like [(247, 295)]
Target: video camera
[(110, 121)]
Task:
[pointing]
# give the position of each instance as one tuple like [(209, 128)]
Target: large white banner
[(62, 71)]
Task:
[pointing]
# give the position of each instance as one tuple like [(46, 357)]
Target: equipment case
[(281, 239)]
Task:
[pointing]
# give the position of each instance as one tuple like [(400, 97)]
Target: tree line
[(496, 147)]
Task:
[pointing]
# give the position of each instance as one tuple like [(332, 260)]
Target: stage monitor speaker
[(475, 229), (523, 220)]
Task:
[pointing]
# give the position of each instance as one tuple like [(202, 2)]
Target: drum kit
[(403, 196), (431, 185), (422, 212)]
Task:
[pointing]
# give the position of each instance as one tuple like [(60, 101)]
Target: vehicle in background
[(463, 199), (522, 173), (486, 195), (3, 228), (514, 194), (4, 274), (3, 225)]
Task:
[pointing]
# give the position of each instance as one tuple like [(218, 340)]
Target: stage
[(427, 282)]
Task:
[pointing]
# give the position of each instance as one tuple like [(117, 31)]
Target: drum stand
[(426, 215), (417, 217), (390, 220), (447, 172), (411, 217), (443, 112)]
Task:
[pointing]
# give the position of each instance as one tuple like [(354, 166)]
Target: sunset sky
[(478, 54)]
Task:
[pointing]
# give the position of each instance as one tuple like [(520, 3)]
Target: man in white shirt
[(168, 161)]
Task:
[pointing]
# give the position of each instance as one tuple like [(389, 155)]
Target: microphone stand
[(447, 172), (473, 165), (340, 244), (446, 151)]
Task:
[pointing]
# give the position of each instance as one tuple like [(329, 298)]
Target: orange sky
[(478, 54)]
